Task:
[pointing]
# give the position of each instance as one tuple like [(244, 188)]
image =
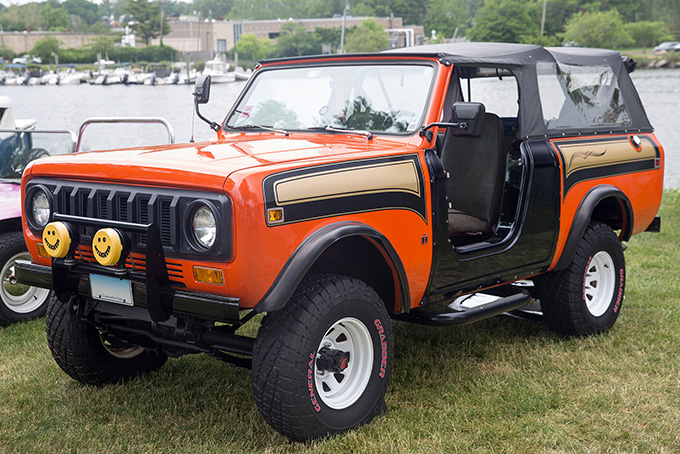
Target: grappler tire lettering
[(586, 297), (330, 312)]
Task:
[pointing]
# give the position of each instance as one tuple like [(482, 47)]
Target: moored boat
[(218, 70)]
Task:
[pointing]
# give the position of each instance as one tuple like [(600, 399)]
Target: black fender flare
[(583, 217), (306, 254)]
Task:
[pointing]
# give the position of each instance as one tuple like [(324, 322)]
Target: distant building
[(23, 42), (211, 37), (189, 35)]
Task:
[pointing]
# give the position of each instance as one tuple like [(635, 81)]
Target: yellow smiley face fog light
[(110, 247), (59, 239)]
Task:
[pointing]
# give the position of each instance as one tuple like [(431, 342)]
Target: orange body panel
[(236, 167), (644, 189)]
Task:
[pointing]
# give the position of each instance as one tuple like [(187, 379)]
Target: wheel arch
[(10, 225), (348, 248), (606, 204)]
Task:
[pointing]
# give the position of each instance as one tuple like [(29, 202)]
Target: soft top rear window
[(579, 96)]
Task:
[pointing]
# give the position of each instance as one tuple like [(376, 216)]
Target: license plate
[(111, 289)]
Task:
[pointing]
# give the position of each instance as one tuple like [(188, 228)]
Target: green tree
[(367, 37), (647, 33), (628, 9), (545, 40), (146, 16), (103, 45), (213, 8), (266, 9), (327, 8), (252, 48), (46, 48), (502, 21), (413, 11), (294, 40), (6, 53), (667, 11), (54, 16), (21, 17), (87, 12), (557, 14), (329, 36), (597, 29), (445, 16)]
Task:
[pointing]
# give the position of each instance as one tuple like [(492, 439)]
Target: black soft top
[(522, 60), (507, 53)]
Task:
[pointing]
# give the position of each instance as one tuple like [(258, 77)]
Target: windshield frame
[(320, 63)]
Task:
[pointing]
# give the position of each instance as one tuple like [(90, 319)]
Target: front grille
[(166, 208), (135, 262), (115, 204)]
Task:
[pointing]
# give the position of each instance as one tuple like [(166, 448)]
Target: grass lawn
[(501, 385)]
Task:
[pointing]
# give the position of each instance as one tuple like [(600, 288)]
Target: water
[(659, 90), (68, 106)]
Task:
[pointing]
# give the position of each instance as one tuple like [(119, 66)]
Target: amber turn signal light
[(275, 215), (42, 251), (208, 275)]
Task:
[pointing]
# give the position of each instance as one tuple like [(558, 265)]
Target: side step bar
[(471, 315)]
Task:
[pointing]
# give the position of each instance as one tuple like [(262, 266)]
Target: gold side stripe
[(369, 179), (580, 155)]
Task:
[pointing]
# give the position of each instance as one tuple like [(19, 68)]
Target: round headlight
[(40, 208), (204, 226)]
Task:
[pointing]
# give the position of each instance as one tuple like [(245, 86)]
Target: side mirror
[(471, 114), (201, 96), (202, 89)]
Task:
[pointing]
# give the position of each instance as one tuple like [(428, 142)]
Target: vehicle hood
[(204, 165)]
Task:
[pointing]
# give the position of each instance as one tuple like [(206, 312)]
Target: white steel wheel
[(322, 364), (121, 352), (20, 298), (599, 283), (586, 297), (339, 390)]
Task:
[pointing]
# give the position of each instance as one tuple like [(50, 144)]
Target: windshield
[(378, 98)]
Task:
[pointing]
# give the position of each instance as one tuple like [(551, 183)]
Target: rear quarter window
[(579, 96)]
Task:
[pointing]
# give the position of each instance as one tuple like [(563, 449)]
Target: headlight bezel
[(193, 237), (31, 194)]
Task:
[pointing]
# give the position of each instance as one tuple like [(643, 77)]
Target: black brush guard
[(151, 289)]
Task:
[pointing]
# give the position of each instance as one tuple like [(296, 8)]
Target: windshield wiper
[(266, 128), (368, 134)]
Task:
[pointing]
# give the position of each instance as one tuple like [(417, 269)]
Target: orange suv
[(341, 192)]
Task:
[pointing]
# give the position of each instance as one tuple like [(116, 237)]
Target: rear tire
[(322, 364), (87, 355), (18, 302), (586, 297)]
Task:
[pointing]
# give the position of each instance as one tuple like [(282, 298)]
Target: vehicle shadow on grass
[(204, 405)]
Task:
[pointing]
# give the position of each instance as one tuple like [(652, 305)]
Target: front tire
[(90, 357), (322, 364), (18, 302), (586, 297)]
